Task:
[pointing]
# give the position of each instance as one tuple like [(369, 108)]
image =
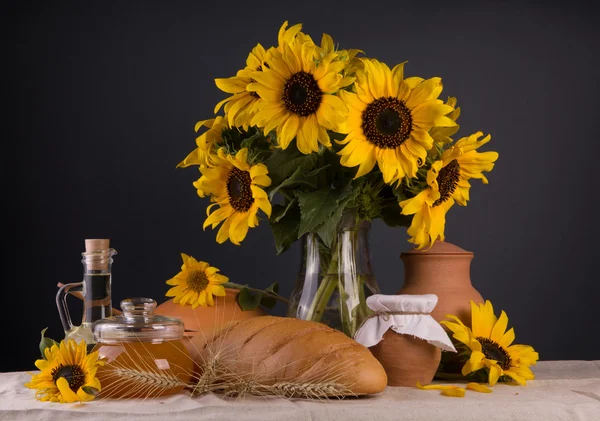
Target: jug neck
[(452, 269)]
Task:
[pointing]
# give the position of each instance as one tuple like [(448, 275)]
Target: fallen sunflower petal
[(457, 392), (479, 387), (437, 386)]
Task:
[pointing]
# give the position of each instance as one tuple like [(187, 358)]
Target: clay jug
[(443, 270), (206, 320)]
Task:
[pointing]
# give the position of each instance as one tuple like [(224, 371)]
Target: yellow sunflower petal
[(223, 234), (209, 299), (288, 131), (202, 298), (219, 290), (218, 216), (415, 204), (507, 338), (172, 292), (474, 363), (478, 387), (459, 392), (476, 320), (437, 386), (67, 394), (427, 90), (495, 373), (239, 228), (83, 396), (499, 328), (516, 377)]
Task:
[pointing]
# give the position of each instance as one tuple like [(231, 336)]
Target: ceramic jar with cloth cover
[(404, 337)]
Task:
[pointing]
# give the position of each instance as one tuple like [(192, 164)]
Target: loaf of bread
[(269, 350)]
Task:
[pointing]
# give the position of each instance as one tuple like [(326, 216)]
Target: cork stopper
[(101, 255), (95, 244)]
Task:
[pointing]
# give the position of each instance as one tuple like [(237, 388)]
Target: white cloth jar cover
[(416, 320)]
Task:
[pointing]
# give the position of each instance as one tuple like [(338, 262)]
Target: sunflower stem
[(260, 291)]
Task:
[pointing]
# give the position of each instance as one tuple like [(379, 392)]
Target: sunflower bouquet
[(311, 135)]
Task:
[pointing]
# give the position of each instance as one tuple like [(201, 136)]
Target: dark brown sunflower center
[(238, 189), (386, 122), (493, 351), (301, 94), (197, 280), (71, 373), (447, 181)]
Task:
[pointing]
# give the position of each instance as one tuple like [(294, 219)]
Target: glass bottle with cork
[(95, 289)]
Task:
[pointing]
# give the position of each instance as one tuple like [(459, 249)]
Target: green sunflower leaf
[(90, 390), (267, 300), (279, 211), (46, 343), (249, 300), (283, 163), (316, 207), (327, 229), (285, 228), (298, 178), (274, 288)]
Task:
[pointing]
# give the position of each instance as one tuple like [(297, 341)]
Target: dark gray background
[(102, 99)]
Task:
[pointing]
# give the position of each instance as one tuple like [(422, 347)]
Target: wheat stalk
[(217, 378), (161, 380), (139, 377), (309, 390)]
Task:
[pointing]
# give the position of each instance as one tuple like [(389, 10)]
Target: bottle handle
[(61, 303)]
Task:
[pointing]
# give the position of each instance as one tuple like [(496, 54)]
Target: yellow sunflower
[(491, 345), (196, 283), (67, 374), (353, 63), (298, 96), (442, 135), (448, 182), (242, 105), (390, 119), (236, 187), (205, 142), (294, 33), (290, 35)]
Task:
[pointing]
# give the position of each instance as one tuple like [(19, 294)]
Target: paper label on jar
[(162, 364)]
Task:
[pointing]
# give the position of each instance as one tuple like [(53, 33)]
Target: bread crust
[(271, 349)]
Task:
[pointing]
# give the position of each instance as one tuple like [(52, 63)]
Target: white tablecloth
[(563, 390)]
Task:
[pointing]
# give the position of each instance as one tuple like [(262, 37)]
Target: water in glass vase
[(335, 280)]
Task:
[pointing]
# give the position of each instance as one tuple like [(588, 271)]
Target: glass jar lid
[(138, 323)]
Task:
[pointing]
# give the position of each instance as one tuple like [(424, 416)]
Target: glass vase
[(335, 280)]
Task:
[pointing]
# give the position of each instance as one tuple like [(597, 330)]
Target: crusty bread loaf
[(270, 350)]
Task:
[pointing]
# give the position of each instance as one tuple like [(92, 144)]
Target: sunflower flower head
[(298, 87), (390, 119), (490, 346), (242, 105), (447, 183), (196, 283), (206, 141), (236, 187), (67, 374)]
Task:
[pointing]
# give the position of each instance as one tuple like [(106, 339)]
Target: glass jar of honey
[(143, 353)]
